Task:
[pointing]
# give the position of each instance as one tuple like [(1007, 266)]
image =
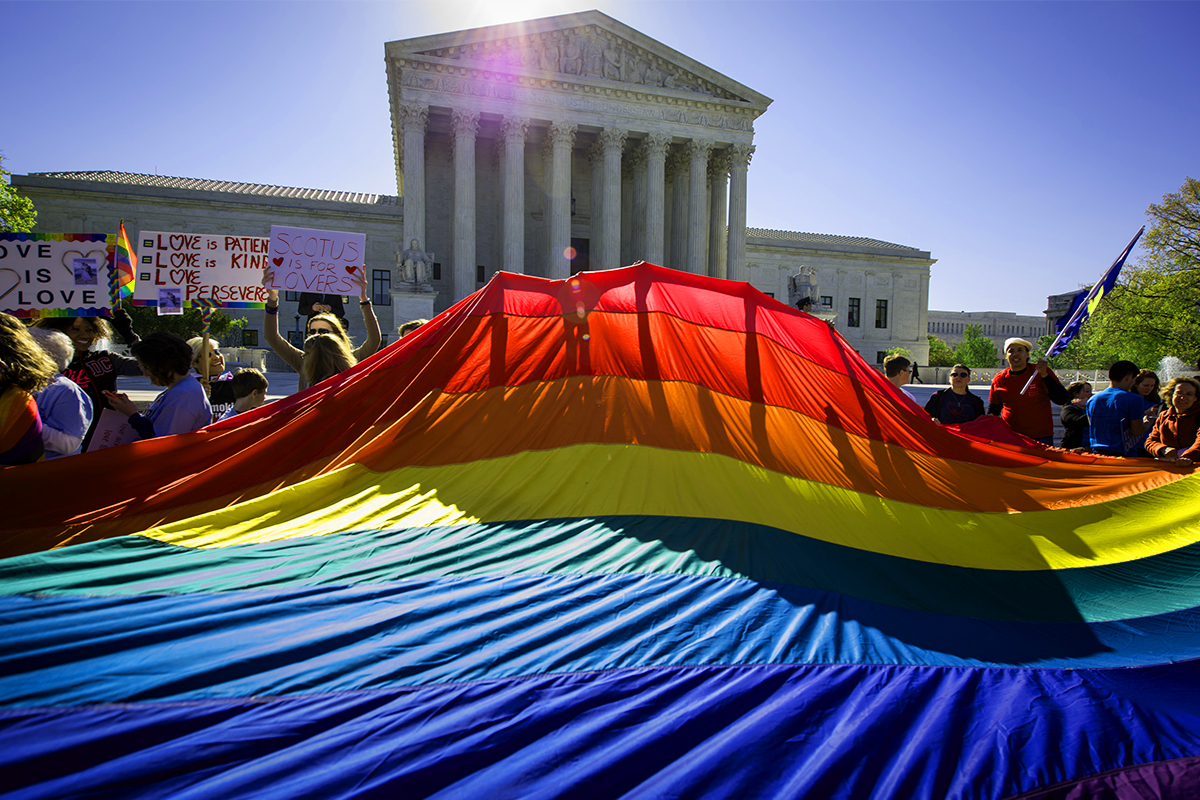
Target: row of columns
[(703, 182)]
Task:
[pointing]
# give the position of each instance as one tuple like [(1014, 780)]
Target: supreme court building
[(542, 147)]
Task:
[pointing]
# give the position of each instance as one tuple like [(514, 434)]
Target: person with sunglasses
[(217, 381), (957, 404), (319, 324)]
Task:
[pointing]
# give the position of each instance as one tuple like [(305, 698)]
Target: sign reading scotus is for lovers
[(325, 262)]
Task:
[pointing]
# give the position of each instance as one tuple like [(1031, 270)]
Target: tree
[(899, 351), (17, 214), (940, 354), (186, 325), (976, 350)]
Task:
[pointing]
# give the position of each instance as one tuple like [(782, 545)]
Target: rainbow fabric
[(636, 533), (121, 278)]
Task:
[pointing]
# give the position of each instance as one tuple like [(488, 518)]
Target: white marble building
[(997, 326), (518, 146)]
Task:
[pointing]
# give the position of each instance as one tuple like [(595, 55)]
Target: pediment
[(589, 46)]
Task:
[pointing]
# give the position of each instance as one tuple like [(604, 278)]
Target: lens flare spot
[(569, 254), (587, 337)]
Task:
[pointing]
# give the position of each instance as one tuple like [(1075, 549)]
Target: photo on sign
[(170, 301), (86, 270)]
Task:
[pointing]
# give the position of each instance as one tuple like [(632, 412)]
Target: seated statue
[(415, 264)]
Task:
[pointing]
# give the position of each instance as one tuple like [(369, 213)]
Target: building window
[(437, 271), (480, 277), (880, 355), (292, 297), (381, 287), (827, 300), (854, 313), (770, 295), (881, 313), (250, 337)]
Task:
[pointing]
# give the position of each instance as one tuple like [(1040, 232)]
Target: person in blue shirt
[(183, 406), (1115, 414)]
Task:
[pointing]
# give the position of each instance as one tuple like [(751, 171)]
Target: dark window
[(437, 271), (854, 313), (381, 287), (291, 297), (881, 313), (770, 295), (249, 337), (880, 355), (480, 275), (827, 300), (583, 255), (296, 338)]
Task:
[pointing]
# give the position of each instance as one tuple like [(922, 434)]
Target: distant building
[(997, 326)]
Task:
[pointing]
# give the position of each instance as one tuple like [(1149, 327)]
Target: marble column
[(464, 126), (679, 209), (655, 146), (735, 260), (637, 232), (612, 143), (414, 118), (596, 243), (718, 181), (697, 227), (560, 139), (512, 167)]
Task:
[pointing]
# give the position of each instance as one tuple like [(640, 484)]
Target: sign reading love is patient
[(182, 270), (56, 274), (327, 262)]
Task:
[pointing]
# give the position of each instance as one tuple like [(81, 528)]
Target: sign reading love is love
[(56, 274), (200, 269), (306, 260)]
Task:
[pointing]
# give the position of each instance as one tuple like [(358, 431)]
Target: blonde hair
[(324, 357), (57, 345), (335, 323), (1168, 392), (22, 362), (197, 344)]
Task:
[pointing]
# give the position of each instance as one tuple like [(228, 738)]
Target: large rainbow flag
[(632, 534)]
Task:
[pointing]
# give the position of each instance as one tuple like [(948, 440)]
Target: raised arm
[(281, 346), (368, 347)]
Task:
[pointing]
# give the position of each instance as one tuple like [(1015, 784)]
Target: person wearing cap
[(1026, 412)]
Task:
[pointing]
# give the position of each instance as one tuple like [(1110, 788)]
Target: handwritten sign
[(326, 262), (113, 429), (56, 274), (200, 269)]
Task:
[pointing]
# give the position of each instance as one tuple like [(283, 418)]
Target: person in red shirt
[(1028, 413)]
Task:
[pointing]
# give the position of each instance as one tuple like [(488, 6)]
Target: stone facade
[(876, 292), (564, 143), (997, 326)]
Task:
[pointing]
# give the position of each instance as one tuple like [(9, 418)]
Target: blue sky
[(1019, 142)]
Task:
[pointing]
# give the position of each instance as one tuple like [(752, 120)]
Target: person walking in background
[(1074, 416), (1115, 414), (1026, 412), (957, 404)]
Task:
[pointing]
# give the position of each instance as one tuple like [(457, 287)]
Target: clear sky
[(1019, 142)]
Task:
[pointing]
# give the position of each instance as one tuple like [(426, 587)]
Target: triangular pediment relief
[(588, 46)]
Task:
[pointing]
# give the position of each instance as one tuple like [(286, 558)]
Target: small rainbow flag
[(121, 279)]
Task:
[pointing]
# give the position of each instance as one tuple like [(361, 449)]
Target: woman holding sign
[(317, 325)]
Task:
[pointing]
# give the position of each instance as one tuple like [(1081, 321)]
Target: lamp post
[(298, 339)]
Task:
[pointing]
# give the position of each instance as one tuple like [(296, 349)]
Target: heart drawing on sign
[(16, 279), (178, 276), (351, 270), (101, 257), (277, 261)]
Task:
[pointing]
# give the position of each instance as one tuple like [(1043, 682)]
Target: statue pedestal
[(412, 301)]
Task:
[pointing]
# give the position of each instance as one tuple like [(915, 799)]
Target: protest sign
[(325, 262), (199, 269), (56, 274), (112, 429)]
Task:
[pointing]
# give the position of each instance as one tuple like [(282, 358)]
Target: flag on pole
[(121, 279), (1084, 303)]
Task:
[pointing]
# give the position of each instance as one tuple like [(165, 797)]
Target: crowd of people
[(58, 382), (1133, 417)]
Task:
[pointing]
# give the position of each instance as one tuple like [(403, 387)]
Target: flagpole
[(1083, 308)]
